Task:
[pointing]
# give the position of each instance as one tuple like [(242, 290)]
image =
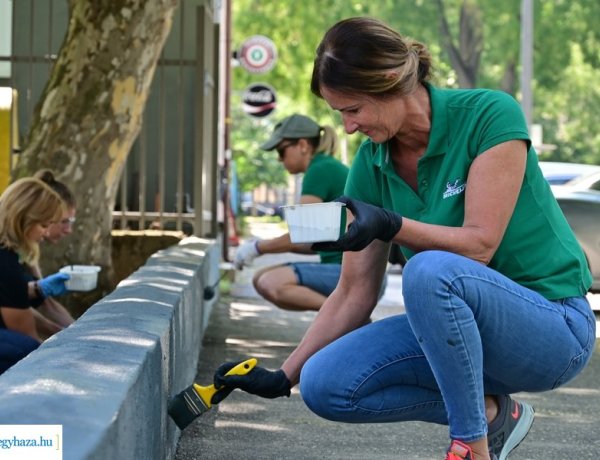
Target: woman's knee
[(317, 387), (429, 267), (425, 272), (269, 283), (258, 283), (423, 264), (264, 285)]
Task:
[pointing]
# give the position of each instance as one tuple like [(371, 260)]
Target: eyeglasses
[(68, 221), (282, 148)]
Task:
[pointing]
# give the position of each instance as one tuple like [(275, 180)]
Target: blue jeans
[(468, 331), (14, 346), (322, 278)]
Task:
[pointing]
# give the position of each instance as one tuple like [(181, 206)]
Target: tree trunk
[(509, 78), (90, 114), (466, 57)]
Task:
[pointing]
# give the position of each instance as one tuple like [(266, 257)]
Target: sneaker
[(460, 451), (510, 426)]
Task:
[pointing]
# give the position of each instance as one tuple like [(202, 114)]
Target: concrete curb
[(106, 379)]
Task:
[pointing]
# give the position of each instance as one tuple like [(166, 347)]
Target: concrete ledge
[(106, 379)]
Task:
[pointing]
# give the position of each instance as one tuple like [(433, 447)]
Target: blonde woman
[(27, 208)]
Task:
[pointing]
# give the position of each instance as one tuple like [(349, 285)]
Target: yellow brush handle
[(206, 393)]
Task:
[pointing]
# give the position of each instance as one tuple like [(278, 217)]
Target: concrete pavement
[(247, 427)]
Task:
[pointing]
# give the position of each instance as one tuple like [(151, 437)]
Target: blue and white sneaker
[(460, 451), (510, 426)]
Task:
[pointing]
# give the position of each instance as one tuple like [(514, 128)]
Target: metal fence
[(173, 178)]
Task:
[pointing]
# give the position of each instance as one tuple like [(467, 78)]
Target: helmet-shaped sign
[(259, 100), (258, 54)]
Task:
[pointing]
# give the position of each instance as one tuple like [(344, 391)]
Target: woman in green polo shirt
[(306, 148), (495, 284)]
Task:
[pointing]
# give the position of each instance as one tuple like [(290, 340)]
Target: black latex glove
[(370, 223), (259, 381)]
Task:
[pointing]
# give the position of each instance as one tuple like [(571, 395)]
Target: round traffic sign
[(258, 54), (259, 100)]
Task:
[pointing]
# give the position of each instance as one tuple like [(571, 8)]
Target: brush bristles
[(186, 407)]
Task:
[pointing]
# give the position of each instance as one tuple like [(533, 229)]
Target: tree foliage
[(566, 76), (473, 43)]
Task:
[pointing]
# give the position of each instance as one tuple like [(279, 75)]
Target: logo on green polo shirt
[(455, 187)]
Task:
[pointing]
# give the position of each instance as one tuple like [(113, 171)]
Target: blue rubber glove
[(53, 285), (370, 223), (259, 381)]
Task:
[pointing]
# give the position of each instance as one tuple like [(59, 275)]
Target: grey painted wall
[(107, 378)]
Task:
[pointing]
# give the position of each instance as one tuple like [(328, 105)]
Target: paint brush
[(209, 291), (192, 402)]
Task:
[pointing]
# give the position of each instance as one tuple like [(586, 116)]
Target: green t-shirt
[(538, 250), (325, 177)]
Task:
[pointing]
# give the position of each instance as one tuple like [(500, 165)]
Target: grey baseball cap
[(293, 127)]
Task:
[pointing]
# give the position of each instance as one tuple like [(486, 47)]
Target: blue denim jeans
[(14, 346), (468, 331), (322, 278)]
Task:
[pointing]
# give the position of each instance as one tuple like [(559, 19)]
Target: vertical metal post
[(29, 95), (208, 120), (181, 122), (527, 58), (124, 193), (226, 125), (14, 114), (161, 141), (216, 177), (202, 144), (142, 175), (50, 54)]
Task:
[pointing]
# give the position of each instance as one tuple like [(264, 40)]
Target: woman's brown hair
[(365, 56)]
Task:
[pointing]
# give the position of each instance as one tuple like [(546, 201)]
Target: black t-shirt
[(14, 277)]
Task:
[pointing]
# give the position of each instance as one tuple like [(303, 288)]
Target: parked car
[(578, 194), (559, 173), (262, 209), (589, 181)]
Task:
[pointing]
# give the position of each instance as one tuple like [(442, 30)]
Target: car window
[(558, 180)]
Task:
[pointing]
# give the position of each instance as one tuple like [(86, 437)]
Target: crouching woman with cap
[(303, 147)]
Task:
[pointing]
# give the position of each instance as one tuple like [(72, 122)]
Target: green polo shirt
[(325, 177), (538, 250)]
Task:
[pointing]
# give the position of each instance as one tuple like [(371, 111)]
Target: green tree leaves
[(566, 64)]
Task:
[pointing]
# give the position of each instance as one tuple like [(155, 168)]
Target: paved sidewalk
[(243, 426)]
